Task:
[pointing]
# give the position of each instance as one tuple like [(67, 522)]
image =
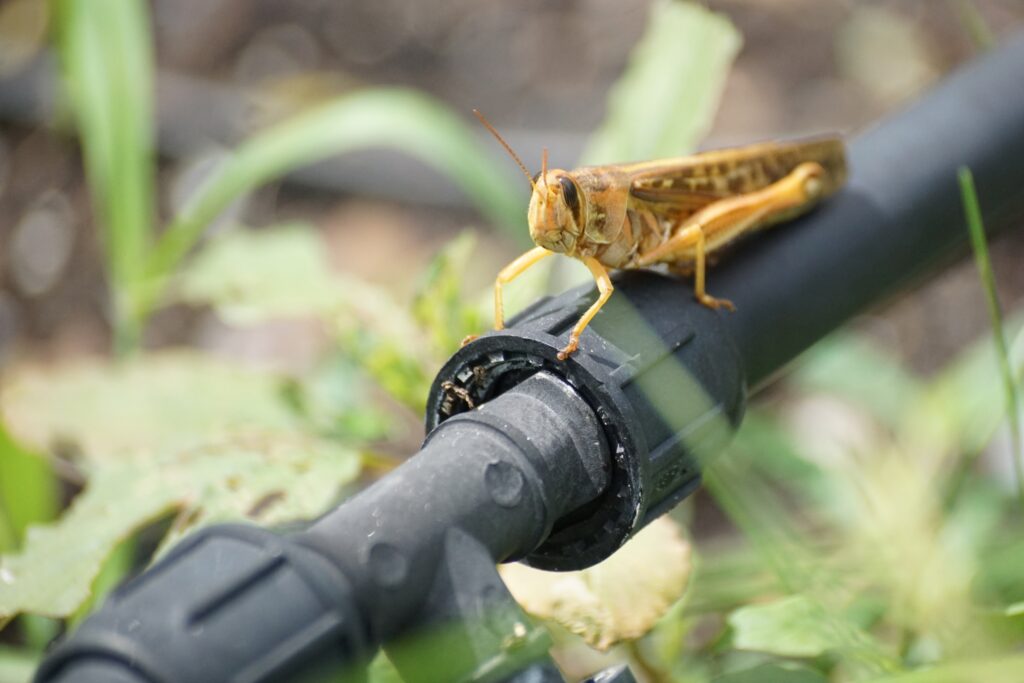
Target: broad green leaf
[(396, 118), (619, 599), (253, 276), (772, 673), (665, 102), (792, 627), (267, 478), (106, 412), (17, 666), (107, 64)]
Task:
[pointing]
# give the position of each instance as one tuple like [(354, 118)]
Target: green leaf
[(264, 478), (254, 276), (772, 673), (439, 305), (381, 670), (251, 277), (333, 399), (665, 102), (387, 117), (17, 666), (107, 64), (115, 567), (28, 491), (107, 412), (791, 627)]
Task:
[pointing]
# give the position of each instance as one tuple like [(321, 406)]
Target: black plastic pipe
[(564, 460), (899, 216)]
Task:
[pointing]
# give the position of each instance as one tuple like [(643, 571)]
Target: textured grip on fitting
[(230, 603)]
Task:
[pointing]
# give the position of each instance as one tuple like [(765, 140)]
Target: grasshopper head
[(555, 214)]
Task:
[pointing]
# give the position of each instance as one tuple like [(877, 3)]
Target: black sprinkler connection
[(558, 463)]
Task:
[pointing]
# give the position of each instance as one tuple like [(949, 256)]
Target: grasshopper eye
[(571, 196)]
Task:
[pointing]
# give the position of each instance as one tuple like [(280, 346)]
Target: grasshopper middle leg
[(730, 217)]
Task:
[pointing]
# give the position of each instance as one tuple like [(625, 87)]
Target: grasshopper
[(671, 211)]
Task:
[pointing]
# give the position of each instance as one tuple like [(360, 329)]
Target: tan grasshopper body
[(672, 211)]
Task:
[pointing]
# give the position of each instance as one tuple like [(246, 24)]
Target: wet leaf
[(618, 599), (265, 478)]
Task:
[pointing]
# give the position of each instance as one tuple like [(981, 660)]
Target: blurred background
[(541, 71), (336, 240)]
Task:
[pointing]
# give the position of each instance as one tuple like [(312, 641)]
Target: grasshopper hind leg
[(729, 218)]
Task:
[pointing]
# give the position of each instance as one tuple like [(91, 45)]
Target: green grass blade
[(972, 213), (665, 101), (28, 491), (974, 23), (107, 65), (396, 118)]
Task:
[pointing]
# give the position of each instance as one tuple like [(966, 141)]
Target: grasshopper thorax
[(556, 214)]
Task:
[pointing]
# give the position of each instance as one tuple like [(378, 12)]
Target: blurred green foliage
[(106, 57)]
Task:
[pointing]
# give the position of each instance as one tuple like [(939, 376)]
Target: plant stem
[(974, 24), (976, 227)]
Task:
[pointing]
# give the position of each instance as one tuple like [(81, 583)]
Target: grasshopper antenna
[(508, 148)]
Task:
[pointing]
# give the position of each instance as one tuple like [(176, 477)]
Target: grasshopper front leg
[(510, 273), (605, 289), (505, 276), (730, 217)]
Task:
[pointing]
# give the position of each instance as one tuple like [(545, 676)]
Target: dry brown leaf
[(619, 599)]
